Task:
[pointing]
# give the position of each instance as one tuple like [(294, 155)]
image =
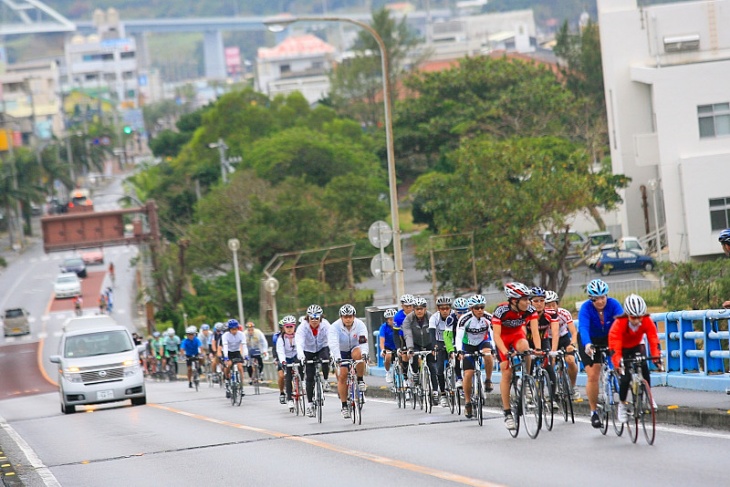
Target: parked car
[(623, 260), (577, 242), (67, 285), (98, 365), (74, 264), (93, 257), (633, 244), (15, 322), (601, 240)]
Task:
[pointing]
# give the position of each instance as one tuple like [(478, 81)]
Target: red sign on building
[(233, 60)]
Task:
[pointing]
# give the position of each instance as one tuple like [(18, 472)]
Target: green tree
[(507, 192), (695, 285)]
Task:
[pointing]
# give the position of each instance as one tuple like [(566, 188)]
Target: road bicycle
[(297, 393), (641, 406), (524, 400), (318, 402), (215, 375), (255, 376), (608, 393), (563, 390), (236, 383), (477, 387), (195, 364), (355, 397), (399, 382), (422, 389), (544, 388), (452, 392)]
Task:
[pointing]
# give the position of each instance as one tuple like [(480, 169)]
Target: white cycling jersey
[(343, 339), (307, 341), (474, 330), (234, 343), (286, 347), (439, 324), (564, 319)]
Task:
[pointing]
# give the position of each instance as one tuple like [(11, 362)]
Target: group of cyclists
[(529, 319)]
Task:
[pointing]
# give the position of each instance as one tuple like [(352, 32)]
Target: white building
[(299, 63), (666, 70)]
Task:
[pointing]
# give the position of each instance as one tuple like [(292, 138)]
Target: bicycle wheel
[(240, 394), (618, 427), (450, 383), (256, 379), (478, 395), (604, 390), (352, 398), (234, 393), (427, 389), (360, 402), (566, 397), (515, 405), (319, 395), (632, 426), (531, 406), (546, 396), (647, 415), (196, 378)]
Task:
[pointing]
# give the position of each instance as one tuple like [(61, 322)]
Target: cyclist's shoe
[(623, 416), (468, 414), (282, 398), (435, 399), (362, 386), (488, 387), (228, 394), (346, 412), (327, 386), (291, 406), (444, 402), (576, 394), (509, 422), (555, 407), (596, 421), (190, 385), (389, 376), (310, 410)]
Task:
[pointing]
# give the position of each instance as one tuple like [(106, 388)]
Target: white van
[(85, 322), (96, 365)]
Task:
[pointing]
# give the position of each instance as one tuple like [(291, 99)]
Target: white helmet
[(407, 300), (551, 297), (191, 329), (389, 313), (634, 305), (170, 331), (314, 310), (421, 303), (348, 310)]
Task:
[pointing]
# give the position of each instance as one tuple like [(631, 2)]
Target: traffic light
[(128, 130)]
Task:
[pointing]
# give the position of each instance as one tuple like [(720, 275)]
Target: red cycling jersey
[(510, 320)]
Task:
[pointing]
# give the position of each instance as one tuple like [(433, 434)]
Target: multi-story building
[(666, 70), (298, 63)]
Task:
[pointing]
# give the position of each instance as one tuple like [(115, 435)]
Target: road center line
[(452, 477)]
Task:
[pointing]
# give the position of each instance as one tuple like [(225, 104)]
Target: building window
[(714, 120), (285, 68), (127, 55), (720, 213)]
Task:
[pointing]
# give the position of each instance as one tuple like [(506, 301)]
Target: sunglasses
[(314, 317), (420, 307), (598, 298), (478, 307), (288, 326), (444, 308)]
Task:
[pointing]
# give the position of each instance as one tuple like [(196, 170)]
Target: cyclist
[(170, 346), (568, 337), (420, 337), (102, 304), (509, 322), (111, 271), (216, 346), (407, 301), (234, 351), (386, 335), (77, 301), (348, 340), (206, 338), (594, 321), (286, 351), (476, 337), (626, 339), (724, 240), (549, 327), (109, 299), (311, 342), (258, 349), (279, 368), (191, 348), (154, 344), (453, 335), (438, 322)]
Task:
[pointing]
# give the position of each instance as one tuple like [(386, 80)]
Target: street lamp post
[(234, 245), (654, 186), (222, 147), (278, 25)]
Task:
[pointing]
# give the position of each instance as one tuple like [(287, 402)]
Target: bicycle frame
[(424, 388)]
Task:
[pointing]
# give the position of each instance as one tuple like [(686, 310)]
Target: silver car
[(98, 365), (67, 285)]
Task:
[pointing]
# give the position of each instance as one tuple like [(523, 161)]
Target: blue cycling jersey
[(387, 332), (191, 347), (590, 326)]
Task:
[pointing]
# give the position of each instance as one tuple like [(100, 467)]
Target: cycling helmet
[(634, 305), (461, 304), (407, 300), (220, 326), (537, 292), (232, 324), (597, 288), (190, 329), (443, 301), (170, 331), (476, 300), (250, 325), (389, 313), (156, 334), (314, 310), (551, 297), (288, 320), (347, 310), (421, 303), (205, 326), (725, 236), (516, 290)]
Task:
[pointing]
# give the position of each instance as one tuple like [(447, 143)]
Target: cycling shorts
[(345, 356), (468, 362), (190, 360), (235, 357), (510, 341)]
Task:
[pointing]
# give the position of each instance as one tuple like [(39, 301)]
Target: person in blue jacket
[(388, 347), (594, 321)]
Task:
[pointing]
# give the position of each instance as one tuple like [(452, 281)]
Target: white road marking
[(42, 335), (43, 472)]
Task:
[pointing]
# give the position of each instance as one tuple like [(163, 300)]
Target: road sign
[(380, 234), (382, 264)]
